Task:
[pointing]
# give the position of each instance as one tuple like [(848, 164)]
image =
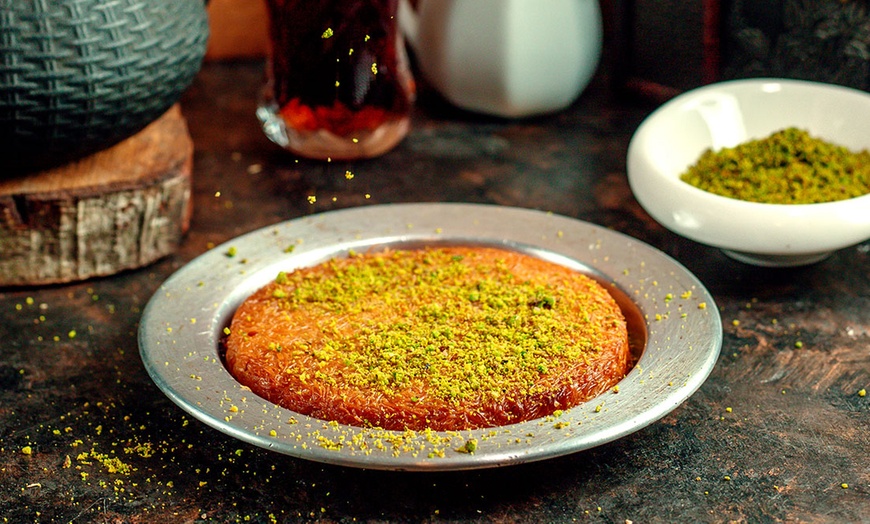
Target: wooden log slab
[(118, 209)]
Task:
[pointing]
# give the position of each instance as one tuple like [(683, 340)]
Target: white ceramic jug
[(510, 58)]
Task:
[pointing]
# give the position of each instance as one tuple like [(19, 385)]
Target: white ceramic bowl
[(725, 114)]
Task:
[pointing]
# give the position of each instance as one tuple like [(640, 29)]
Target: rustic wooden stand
[(118, 209)]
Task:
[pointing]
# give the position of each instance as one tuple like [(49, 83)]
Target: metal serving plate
[(673, 321)]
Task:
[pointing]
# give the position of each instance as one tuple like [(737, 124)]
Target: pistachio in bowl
[(736, 165)]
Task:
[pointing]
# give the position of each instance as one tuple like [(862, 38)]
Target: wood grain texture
[(118, 209)]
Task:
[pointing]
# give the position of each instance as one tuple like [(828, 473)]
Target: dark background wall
[(668, 46)]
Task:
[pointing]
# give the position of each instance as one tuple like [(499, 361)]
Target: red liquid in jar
[(339, 84)]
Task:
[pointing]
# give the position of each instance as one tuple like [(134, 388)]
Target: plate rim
[(173, 345)]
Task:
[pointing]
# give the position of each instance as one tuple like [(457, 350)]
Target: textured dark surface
[(772, 435), (824, 40)]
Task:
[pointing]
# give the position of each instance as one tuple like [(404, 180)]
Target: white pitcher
[(509, 58)]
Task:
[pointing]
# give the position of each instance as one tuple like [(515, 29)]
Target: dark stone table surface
[(778, 433)]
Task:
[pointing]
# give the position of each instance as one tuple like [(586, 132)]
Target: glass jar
[(338, 82)]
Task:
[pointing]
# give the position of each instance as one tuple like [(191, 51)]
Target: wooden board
[(118, 209)]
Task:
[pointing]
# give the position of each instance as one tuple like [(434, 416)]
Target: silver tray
[(673, 321)]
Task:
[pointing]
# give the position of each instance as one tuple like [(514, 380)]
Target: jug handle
[(409, 21)]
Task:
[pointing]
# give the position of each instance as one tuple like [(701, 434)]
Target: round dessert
[(439, 338)]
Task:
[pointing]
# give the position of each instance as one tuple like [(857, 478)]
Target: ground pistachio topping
[(442, 338), (788, 167), (466, 330)]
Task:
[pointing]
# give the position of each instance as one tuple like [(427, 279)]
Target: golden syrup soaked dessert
[(440, 338)]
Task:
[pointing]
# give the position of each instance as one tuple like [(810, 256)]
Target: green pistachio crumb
[(788, 167), (466, 330), (470, 446)]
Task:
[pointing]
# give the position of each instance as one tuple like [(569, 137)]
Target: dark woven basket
[(77, 76)]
